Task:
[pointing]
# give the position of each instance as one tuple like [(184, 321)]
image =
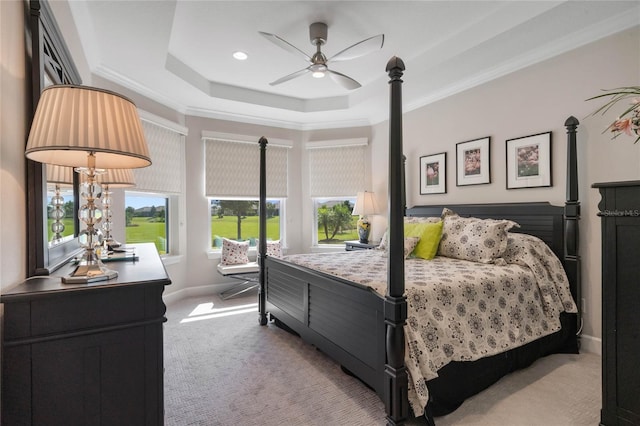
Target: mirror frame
[(49, 57)]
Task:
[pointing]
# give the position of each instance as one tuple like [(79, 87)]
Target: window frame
[(172, 226), (216, 253), (315, 231)]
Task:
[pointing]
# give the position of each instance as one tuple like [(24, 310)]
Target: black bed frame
[(364, 332)]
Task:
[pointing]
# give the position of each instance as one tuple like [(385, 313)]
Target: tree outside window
[(334, 222), (240, 220)]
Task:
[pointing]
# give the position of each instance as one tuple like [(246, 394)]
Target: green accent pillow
[(429, 234)]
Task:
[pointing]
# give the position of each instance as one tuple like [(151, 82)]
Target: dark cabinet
[(86, 354), (620, 213)]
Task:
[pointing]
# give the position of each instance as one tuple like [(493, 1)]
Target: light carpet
[(223, 368)]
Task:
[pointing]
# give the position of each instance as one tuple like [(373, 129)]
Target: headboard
[(543, 220)]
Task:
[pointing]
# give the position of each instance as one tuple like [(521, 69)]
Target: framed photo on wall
[(472, 162), (529, 161), (433, 174)]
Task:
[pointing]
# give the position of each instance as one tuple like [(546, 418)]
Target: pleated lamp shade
[(72, 121), (117, 178), (365, 204), (59, 174)]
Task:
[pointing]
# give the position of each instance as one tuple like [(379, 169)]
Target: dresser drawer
[(74, 312)]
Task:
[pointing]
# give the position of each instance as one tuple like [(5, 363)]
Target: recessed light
[(239, 55)]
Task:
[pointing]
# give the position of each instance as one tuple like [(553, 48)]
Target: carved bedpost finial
[(395, 69), (571, 122)]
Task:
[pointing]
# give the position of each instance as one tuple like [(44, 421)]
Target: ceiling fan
[(319, 67)]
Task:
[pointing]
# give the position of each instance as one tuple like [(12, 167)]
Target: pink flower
[(622, 125), (629, 121)]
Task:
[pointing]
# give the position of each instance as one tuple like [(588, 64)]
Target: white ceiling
[(179, 53)]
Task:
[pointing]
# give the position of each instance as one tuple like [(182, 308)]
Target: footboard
[(343, 319)]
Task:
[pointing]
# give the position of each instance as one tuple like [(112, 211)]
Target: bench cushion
[(245, 268)]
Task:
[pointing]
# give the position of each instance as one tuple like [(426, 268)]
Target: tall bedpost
[(262, 245), (404, 185), (571, 217), (395, 308)]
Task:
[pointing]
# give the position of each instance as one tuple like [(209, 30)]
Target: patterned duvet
[(460, 310)]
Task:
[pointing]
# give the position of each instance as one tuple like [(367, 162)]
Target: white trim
[(171, 259), (590, 344), (337, 143), (233, 137), (281, 124), (162, 122), (203, 290)]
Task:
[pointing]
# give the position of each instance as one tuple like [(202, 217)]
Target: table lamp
[(112, 178), (58, 175), (365, 205), (89, 129)]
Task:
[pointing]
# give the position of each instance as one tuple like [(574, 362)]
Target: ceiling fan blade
[(290, 76), (361, 48), (285, 45), (343, 80)]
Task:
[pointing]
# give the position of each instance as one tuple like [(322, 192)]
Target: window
[(153, 209), (334, 222), (337, 171), (146, 220), (240, 220), (232, 169)]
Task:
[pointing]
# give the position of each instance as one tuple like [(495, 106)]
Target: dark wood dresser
[(620, 213), (86, 354)]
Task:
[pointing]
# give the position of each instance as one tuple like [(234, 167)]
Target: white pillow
[(274, 248), (234, 252)]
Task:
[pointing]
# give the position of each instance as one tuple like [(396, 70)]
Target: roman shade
[(337, 168), (166, 146), (232, 168)]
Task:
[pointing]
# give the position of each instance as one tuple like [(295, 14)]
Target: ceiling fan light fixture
[(319, 67), (240, 55), (318, 70)]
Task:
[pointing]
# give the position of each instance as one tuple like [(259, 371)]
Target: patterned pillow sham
[(473, 239), (410, 243), (234, 252)]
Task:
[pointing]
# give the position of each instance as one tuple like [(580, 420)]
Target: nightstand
[(357, 245)]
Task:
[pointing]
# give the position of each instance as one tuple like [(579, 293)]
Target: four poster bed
[(461, 334)]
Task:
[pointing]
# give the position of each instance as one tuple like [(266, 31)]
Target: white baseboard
[(590, 344), (203, 290)]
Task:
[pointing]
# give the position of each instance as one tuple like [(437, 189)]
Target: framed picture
[(472, 162), (529, 161), (433, 174)]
